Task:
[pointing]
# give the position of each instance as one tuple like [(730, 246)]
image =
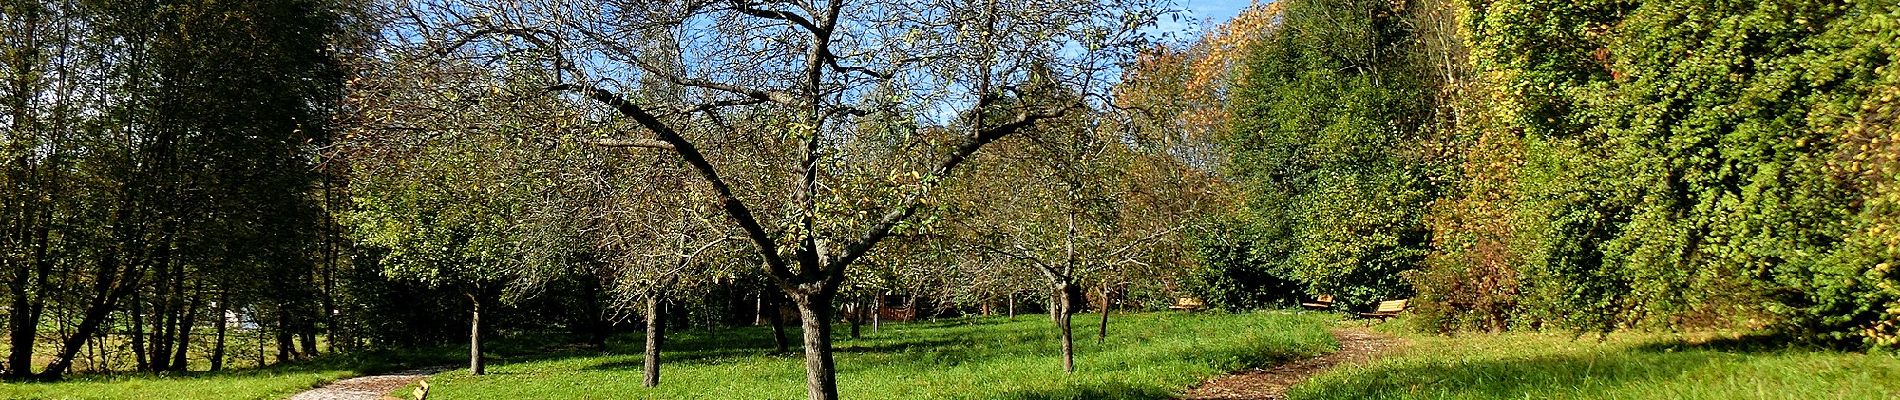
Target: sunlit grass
[(1147, 356), (274, 382), (1622, 366)]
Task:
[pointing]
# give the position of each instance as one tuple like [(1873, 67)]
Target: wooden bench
[(1324, 301), (1188, 304), (1386, 309)]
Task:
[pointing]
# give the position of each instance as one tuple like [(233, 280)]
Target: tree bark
[(28, 304), (656, 333), (286, 342), (1062, 308), (137, 314), (814, 309), (1101, 335), (780, 344), (856, 316), (217, 348), (475, 366), (1068, 342), (179, 363)]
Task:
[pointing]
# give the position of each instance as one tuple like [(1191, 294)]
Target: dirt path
[(370, 387), (1355, 345)]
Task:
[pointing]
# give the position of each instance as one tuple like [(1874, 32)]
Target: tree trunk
[(779, 343), (286, 341), (137, 312), (184, 330), (475, 366), (656, 333), (814, 309), (217, 348), (877, 313), (856, 316), (25, 319), (1012, 307), (1101, 335), (1068, 343), (597, 326), (1062, 310), (307, 338)]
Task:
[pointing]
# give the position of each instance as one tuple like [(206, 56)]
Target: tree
[(1078, 204), (1329, 144), (444, 209), (815, 70)]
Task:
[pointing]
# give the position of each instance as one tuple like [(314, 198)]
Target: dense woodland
[(192, 185)]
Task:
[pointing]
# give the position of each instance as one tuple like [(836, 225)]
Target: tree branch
[(768, 246), (878, 231)]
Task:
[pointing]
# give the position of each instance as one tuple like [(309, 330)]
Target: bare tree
[(822, 71)]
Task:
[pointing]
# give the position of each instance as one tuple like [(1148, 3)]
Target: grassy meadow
[(1146, 356), (1620, 366)]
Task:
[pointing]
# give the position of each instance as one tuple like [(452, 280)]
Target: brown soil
[(1356, 345), (367, 387)]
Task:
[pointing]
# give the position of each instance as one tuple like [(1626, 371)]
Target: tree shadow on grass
[(1107, 390), (1751, 343)]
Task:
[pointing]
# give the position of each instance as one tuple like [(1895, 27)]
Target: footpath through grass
[(1147, 356), (1624, 366)]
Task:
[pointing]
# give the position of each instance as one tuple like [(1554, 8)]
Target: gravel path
[(367, 387), (1355, 345)]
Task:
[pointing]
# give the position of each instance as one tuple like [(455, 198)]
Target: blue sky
[(1202, 13)]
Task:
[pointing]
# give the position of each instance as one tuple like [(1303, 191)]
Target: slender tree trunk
[(95, 317), (1012, 306), (1062, 310), (597, 326), (217, 348), (814, 309), (1101, 335), (25, 320), (307, 338), (184, 330), (286, 343), (1068, 342), (856, 316), (656, 334), (137, 312), (167, 320), (260, 342), (877, 313), (779, 343), (475, 366)]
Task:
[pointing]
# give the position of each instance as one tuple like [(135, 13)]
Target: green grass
[(260, 384), (1623, 366), (1147, 356), (274, 382)]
